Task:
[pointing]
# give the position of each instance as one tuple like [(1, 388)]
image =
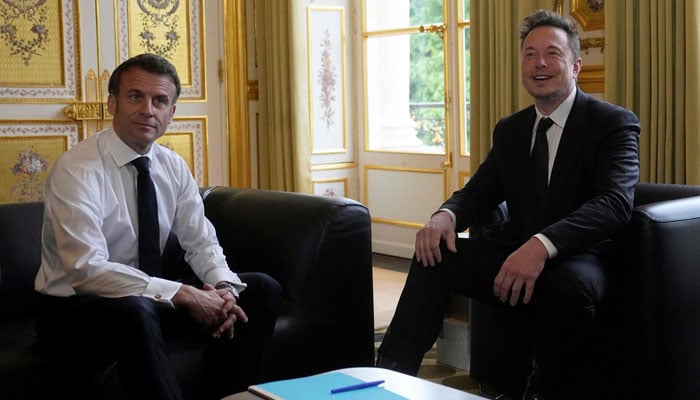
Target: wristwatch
[(228, 285)]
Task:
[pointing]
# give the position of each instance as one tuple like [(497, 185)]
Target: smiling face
[(143, 107), (548, 67)]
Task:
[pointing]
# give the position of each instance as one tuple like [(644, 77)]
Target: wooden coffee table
[(407, 386)]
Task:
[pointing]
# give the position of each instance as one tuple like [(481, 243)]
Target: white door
[(415, 114), (55, 66)]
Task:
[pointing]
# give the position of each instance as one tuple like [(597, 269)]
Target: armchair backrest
[(20, 256)]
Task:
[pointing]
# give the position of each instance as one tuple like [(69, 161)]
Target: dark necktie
[(539, 158), (149, 235), (540, 153)]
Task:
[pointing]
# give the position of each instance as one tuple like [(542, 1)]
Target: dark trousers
[(567, 297), (88, 333)]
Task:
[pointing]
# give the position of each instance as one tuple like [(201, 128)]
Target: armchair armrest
[(319, 250), (660, 298)]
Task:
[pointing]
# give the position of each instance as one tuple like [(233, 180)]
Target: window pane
[(394, 14), (405, 93)]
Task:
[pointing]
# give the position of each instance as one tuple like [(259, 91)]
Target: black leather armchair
[(652, 329), (318, 248)]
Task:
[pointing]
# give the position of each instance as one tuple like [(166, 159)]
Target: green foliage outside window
[(427, 66)]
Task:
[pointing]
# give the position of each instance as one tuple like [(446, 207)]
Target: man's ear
[(111, 104), (577, 68)]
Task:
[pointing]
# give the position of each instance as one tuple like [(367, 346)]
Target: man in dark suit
[(552, 256)]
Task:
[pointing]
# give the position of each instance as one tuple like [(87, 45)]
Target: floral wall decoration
[(29, 169), (24, 28), (326, 79), (159, 24), (28, 150), (173, 29), (326, 43), (39, 42)]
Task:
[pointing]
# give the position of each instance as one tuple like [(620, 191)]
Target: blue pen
[(356, 386)]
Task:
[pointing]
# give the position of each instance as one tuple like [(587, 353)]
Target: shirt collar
[(122, 153), (561, 113)]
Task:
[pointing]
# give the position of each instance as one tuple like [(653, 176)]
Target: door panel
[(415, 108)]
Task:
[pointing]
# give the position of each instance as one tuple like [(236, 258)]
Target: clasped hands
[(517, 275), (216, 309)]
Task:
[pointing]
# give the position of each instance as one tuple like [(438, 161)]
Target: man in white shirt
[(99, 305)]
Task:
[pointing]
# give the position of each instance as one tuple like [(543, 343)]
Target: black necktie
[(539, 158), (149, 235), (540, 153)]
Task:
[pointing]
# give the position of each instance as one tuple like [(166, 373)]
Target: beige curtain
[(495, 67), (283, 140), (652, 60)]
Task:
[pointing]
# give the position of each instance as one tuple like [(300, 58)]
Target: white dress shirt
[(90, 232)]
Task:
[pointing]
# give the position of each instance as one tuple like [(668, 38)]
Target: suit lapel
[(570, 144)]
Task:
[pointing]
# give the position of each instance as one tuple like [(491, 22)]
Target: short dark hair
[(147, 62), (554, 19)]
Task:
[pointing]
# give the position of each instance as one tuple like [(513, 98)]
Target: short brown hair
[(147, 62), (554, 19)]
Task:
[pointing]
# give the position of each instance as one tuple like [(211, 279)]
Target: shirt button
[(158, 296)]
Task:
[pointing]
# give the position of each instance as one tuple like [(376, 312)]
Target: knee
[(262, 290), (135, 312), (575, 292)]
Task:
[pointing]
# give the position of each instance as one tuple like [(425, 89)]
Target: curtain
[(651, 64), (283, 140), (496, 90)]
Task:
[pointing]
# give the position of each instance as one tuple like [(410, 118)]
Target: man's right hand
[(206, 306), (428, 239)]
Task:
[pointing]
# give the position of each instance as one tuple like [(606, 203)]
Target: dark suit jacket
[(592, 183)]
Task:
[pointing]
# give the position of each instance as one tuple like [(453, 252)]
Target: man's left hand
[(233, 312), (520, 271)]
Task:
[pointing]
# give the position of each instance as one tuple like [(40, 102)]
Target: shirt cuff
[(236, 287), (162, 291), (551, 249), (451, 214)]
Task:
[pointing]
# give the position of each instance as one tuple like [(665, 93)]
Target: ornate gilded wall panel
[(187, 137), (28, 150), (173, 29), (39, 51)]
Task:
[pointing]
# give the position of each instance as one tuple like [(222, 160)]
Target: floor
[(389, 277)]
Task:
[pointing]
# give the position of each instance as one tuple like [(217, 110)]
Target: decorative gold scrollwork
[(87, 111), (438, 29), (588, 43)]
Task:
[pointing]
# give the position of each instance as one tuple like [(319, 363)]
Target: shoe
[(386, 362)]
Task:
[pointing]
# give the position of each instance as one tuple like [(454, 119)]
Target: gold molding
[(253, 91), (236, 61), (587, 17), (591, 42), (325, 167), (591, 79), (365, 191), (87, 111), (344, 181)]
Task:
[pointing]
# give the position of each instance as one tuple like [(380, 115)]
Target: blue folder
[(318, 387)]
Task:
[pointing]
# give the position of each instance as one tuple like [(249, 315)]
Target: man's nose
[(147, 107)]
